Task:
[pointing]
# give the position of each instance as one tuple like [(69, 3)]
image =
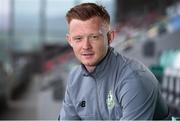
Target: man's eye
[(94, 37), (78, 38)]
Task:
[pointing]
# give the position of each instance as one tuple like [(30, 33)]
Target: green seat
[(175, 118), (158, 71)]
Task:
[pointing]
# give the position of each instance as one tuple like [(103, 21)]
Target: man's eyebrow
[(77, 36), (88, 34)]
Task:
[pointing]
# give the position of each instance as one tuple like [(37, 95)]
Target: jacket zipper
[(97, 97)]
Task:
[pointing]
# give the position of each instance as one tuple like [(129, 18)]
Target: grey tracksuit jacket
[(118, 89)]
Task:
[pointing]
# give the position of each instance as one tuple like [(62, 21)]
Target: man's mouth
[(87, 54)]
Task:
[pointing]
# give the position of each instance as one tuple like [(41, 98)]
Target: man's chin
[(89, 63)]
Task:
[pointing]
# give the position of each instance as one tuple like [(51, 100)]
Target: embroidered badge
[(110, 100)]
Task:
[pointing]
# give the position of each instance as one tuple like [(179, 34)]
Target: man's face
[(89, 40)]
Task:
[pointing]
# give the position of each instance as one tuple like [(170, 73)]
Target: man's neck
[(90, 68)]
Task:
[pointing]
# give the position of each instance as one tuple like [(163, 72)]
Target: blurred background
[(35, 58)]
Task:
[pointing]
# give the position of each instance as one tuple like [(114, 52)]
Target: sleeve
[(137, 96), (68, 111)]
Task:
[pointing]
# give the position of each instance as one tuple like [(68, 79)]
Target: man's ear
[(110, 36), (68, 38)]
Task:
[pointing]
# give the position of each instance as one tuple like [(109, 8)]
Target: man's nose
[(86, 44)]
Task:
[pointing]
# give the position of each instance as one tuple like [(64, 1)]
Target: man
[(107, 85)]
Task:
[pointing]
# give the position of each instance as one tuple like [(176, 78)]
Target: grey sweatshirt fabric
[(118, 89)]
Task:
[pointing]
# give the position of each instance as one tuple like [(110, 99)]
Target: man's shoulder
[(75, 71), (74, 74), (130, 65), (139, 71), (136, 65)]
